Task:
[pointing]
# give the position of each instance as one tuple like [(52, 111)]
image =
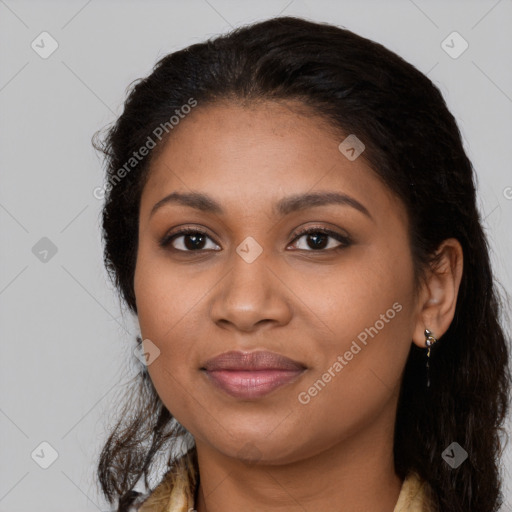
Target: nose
[(250, 297)]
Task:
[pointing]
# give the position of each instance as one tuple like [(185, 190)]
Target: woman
[(291, 215)]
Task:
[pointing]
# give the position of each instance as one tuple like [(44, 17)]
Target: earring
[(430, 339)]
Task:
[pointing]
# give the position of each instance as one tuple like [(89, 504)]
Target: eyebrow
[(283, 207)]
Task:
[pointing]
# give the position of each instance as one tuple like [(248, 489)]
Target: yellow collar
[(176, 491)]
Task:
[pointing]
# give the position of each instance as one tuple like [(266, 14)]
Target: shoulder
[(176, 491), (414, 495)]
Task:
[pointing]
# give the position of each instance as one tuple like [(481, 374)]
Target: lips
[(251, 375)]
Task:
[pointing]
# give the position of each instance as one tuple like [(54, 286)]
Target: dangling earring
[(429, 341)]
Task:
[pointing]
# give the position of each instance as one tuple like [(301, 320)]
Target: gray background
[(66, 341)]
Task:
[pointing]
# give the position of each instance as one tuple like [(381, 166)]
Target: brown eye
[(192, 240), (317, 239)]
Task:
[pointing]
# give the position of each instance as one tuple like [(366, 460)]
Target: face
[(337, 302)]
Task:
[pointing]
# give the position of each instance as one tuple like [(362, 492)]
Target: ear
[(438, 294)]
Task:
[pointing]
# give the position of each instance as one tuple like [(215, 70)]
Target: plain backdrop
[(66, 342)]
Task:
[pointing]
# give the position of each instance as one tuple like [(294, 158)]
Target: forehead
[(257, 152)]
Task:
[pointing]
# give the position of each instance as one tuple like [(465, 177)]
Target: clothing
[(176, 491)]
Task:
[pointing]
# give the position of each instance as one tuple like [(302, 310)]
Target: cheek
[(369, 311), (170, 306), (163, 296), (361, 375), (164, 309), (369, 293)]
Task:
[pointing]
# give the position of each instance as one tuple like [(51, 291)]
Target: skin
[(276, 453)]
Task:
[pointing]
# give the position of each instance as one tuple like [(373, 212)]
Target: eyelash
[(343, 239)]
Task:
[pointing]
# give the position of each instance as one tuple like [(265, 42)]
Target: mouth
[(251, 375)]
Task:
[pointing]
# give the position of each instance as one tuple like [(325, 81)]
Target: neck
[(356, 474)]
